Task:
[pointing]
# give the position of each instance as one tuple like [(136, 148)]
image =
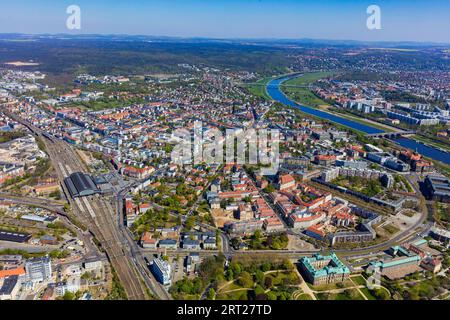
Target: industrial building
[(437, 188), (80, 185), (440, 234), (14, 236)]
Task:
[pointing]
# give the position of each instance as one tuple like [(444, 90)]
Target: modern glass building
[(161, 270), (38, 269)]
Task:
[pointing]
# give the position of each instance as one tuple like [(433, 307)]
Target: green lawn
[(355, 295), (259, 89), (351, 294), (304, 95), (359, 280), (231, 286), (331, 286), (235, 295), (345, 114), (367, 293), (308, 78), (391, 228), (431, 142)]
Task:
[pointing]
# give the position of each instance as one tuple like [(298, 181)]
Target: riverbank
[(259, 88), (431, 142), (366, 121), (274, 91), (297, 89)]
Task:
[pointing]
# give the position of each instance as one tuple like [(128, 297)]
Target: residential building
[(9, 288), (210, 244), (431, 264), (191, 244), (147, 241), (168, 244)]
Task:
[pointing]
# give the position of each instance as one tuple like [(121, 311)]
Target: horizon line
[(228, 38)]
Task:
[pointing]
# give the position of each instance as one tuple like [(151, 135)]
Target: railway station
[(80, 185)]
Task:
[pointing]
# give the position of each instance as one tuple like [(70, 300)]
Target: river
[(274, 91)]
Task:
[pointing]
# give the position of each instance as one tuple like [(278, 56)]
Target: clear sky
[(405, 20)]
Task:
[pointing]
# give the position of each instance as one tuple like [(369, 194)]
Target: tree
[(211, 294), (261, 296), (259, 276), (229, 275), (287, 265), (380, 294), (243, 296), (257, 235), (269, 189), (224, 203), (245, 280), (265, 266), (190, 222), (259, 290), (268, 282), (235, 242), (271, 296), (236, 268), (68, 296)]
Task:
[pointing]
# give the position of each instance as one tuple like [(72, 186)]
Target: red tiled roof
[(147, 238), (286, 178), (12, 272)]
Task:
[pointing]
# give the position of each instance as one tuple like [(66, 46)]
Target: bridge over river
[(394, 135)]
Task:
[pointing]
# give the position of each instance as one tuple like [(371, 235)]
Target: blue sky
[(413, 20)]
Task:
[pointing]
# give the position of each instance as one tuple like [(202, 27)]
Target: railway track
[(101, 224), (93, 211)]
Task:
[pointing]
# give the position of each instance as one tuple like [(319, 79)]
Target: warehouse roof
[(14, 236), (80, 184), (8, 285)]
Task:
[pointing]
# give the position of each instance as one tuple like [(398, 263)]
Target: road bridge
[(396, 134)]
